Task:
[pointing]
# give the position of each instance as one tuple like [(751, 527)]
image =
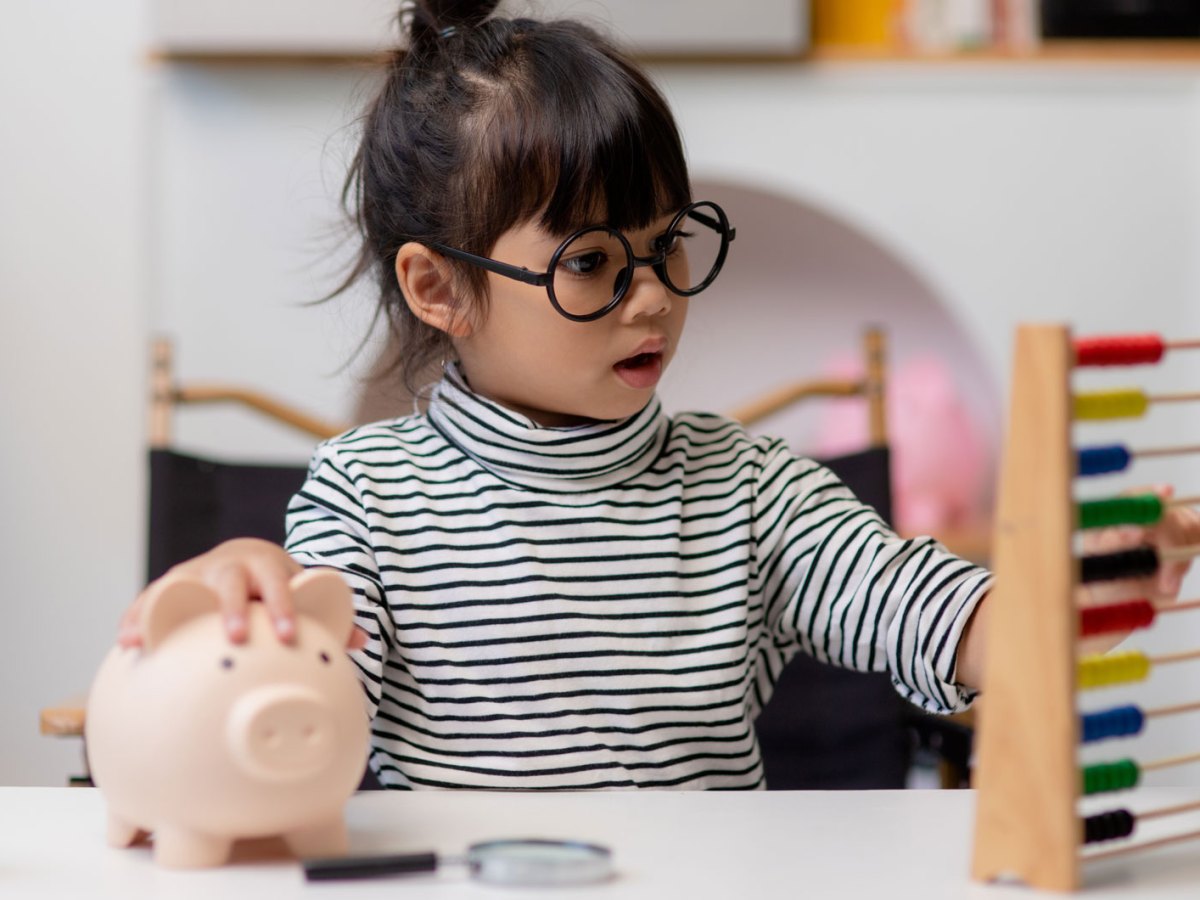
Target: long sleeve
[(326, 526), (838, 584)]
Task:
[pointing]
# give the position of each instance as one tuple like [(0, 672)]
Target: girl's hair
[(483, 123)]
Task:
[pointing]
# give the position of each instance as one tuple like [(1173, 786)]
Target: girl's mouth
[(641, 371)]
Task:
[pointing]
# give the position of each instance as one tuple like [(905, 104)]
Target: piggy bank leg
[(327, 838), (180, 848), (121, 832)]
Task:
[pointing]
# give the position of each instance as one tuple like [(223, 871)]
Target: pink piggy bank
[(203, 742)]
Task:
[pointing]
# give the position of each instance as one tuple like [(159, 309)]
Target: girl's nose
[(647, 296)]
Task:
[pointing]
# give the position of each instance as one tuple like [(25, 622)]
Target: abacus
[(1027, 775)]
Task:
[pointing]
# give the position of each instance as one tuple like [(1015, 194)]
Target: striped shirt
[(609, 605)]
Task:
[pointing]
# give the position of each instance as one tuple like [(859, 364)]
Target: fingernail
[(284, 628), (235, 624)]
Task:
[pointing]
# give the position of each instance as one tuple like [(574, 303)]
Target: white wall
[(72, 333), (1008, 193)]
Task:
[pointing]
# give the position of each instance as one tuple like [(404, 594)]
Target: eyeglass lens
[(594, 268)]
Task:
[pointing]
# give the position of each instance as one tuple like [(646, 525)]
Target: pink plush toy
[(202, 742), (940, 462)]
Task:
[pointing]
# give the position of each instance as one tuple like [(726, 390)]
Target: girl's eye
[(670, 243), (584, 263)]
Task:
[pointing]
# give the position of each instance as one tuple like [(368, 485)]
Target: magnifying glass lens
[(531, 861)]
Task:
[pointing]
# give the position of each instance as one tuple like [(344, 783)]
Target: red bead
[(1119, 350), (1127, 616)]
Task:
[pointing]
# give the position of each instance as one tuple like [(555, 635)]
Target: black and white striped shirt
[(607, 606)]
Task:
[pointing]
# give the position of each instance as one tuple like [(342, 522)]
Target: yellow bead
[(1120, 404)]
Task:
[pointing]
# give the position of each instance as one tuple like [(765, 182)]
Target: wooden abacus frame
[(1027, 774)]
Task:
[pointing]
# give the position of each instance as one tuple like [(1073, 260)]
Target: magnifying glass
[(524, 861)]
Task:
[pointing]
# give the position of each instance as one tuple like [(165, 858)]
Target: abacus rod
[(1145, 845), (1169, 761), (1165, 451), (1176, 553), (1185, 501), (1175, 450), (1172, 710), (1160, 606), (1182, 656), (1168, 811), (1166, 606), (1190, 344), (1186, 397)]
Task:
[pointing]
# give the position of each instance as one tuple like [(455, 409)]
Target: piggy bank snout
[(282, 733)]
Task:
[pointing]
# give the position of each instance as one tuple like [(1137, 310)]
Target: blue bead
[(1120, 721), (1102, 460)]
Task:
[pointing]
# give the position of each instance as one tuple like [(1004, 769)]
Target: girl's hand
[(1180, 527), (240, 571)]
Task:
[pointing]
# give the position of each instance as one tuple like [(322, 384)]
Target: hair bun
[(428, 19)]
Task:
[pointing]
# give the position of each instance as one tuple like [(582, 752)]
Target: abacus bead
[(1118, 404), (1121, 564), (1120, 721), (1102, 460), (1139, 509), (1119, 350), (1108, 826)]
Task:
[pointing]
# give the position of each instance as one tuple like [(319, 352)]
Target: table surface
[(729, 845)]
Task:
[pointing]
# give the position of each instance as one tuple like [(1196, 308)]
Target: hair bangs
[(583, 140), (620, 158)]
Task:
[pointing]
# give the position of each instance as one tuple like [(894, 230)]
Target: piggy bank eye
[(227, 662), (324, 657)]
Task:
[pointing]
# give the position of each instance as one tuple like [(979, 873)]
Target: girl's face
[(524, 355)]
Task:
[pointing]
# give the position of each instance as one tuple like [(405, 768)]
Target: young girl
[(557, 585)]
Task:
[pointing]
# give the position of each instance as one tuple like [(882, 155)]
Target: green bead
[(1115, 776), (1140, 509)]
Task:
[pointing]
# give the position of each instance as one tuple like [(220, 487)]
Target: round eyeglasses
[(591, 271)]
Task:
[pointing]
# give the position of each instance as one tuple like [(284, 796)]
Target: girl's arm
[(1180, 527), (837, 583)]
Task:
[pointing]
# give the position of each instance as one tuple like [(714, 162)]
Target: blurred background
[(942, 168)]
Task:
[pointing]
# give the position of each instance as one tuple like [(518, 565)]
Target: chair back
[(197, 503)]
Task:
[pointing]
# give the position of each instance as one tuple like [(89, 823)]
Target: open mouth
[(641, 359), (642, 370)]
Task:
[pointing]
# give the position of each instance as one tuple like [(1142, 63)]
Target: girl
[(557, 585)]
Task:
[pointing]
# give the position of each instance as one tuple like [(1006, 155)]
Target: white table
[(795, 845)]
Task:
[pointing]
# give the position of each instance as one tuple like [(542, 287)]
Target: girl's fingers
[(358, 639), (233, 595), (271, 581)]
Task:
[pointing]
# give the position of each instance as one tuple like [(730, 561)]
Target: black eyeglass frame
[(657, 262)]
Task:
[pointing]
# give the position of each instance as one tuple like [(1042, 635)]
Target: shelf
[(1145, 53), (1051, 52)]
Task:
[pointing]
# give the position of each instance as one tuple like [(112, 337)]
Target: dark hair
[(483, 122)]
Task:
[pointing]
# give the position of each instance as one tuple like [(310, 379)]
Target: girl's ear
[(428, 287)]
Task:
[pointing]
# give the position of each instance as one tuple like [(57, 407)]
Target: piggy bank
[(202, 742)]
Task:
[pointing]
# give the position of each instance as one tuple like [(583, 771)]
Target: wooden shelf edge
[(1150, 53), (1050, 52)]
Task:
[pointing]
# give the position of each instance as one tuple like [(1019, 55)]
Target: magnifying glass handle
[(340, 867)]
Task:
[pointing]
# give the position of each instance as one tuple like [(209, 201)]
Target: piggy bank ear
[(323, 594), (171, 603)]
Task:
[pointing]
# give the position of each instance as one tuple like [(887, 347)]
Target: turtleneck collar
[(518, 450)]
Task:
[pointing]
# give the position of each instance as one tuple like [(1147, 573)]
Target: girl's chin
[(611, 411)]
